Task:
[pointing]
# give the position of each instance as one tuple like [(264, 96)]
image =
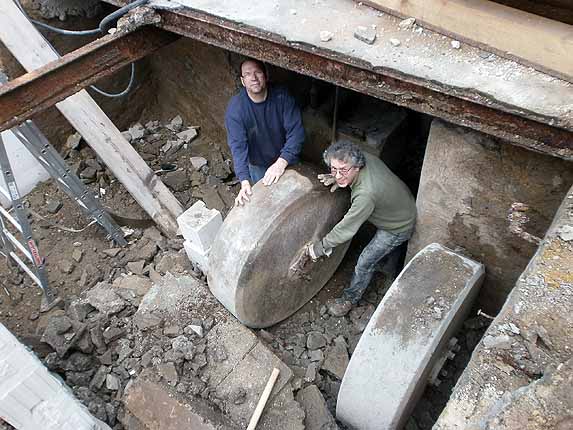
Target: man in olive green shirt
[(377, 196)]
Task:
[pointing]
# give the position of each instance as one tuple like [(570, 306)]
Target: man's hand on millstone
[(327, 180)]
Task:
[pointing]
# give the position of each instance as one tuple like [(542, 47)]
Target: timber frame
[(526, 129)]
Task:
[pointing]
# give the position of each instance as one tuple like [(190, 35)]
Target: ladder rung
[(18, 245), (10, 218)]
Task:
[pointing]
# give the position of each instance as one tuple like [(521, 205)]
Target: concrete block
[(260, 241), (408, 332), (200, 225), (197, 255)]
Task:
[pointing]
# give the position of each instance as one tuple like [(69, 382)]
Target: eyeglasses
[(342, 170), (257, 73)]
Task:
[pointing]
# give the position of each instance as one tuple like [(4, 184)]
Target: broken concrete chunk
[(176, 180), (169, 373), (73, 141), (77, 255), (112, 382), (326, 36), (186, 136), (395, 42), (104, 299), (365, 34), (137, 131), (336, 359), (198, 162), (136, 267), (566, 233), (318, 417), (175, 124), (315, 340), (497, 342), (407, 23), (112, 333), (67, 266), (311, 371), (54, 206), (172, 331)]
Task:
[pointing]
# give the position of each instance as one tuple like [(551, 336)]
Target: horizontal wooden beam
[(36, 91), (538, 42)]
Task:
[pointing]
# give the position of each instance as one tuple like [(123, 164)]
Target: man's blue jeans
[(257, 173), (381, 245)]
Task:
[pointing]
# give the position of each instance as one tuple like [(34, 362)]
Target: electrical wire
[(104, 26), (124, 92)]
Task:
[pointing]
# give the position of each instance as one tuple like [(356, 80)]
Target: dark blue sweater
[(260, 133)]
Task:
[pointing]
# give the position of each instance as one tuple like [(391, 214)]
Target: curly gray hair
[(345, 151)]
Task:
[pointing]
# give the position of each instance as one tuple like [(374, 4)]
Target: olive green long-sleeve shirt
[(379, 196)]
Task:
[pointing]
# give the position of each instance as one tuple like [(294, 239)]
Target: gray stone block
[(406, 335), (259, 242)]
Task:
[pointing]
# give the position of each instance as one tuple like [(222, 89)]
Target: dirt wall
[(469, 182)]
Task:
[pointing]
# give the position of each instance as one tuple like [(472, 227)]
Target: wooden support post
[(33, 51)]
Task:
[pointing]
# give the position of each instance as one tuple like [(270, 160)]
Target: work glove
[(317, 250), (327, 180)]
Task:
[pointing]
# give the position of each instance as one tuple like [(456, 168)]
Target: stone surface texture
[(318, 417), (217, 372), (404, 338), (260, 241), (525, 383), (469, 182)]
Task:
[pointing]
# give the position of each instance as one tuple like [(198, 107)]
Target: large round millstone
[(406, 336), (251, 260)]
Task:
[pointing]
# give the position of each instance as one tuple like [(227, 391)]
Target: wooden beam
[(42, 88), (538, 42), (33, 51)]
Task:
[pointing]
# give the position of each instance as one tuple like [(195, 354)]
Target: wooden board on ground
[(539, 42), (33, 51)]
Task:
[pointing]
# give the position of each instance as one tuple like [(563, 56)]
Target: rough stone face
[(318, 417), (259, 242), (526, 384), (154, 407), (392, 361), (104, 299), (469, 182)]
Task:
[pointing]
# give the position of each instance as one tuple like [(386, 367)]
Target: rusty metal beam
[(469, 110), (36, 91)]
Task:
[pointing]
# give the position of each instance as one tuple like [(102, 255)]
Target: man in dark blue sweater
[(264, 130)]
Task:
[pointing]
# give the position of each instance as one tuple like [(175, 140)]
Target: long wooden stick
[(263, 400)]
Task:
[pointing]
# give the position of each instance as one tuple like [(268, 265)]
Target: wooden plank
[(41, 88), (32, 51), (539, 42)]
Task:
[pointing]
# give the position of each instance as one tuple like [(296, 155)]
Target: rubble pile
[(175, 334), (190, 165)]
